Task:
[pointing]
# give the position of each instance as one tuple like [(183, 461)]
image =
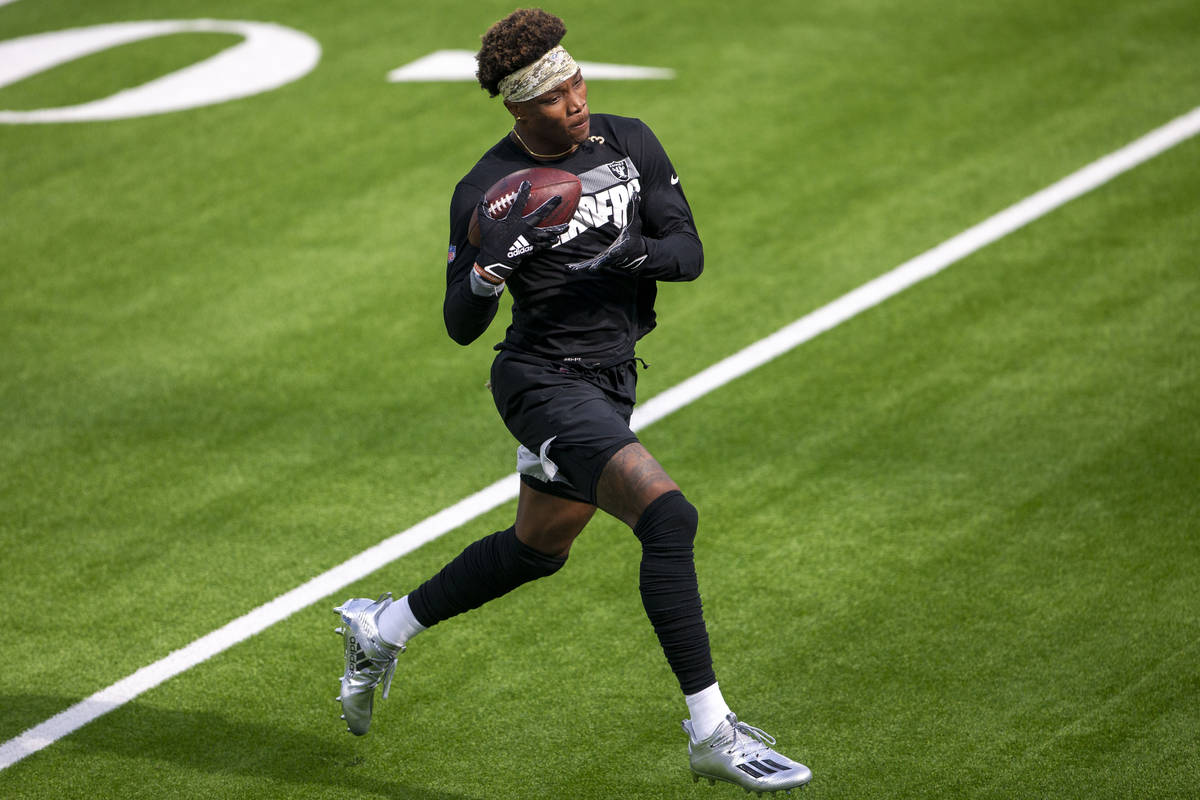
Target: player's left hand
[(628, 250)]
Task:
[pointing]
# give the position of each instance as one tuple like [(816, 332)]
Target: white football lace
[(501, 203)]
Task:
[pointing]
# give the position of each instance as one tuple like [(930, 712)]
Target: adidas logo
[(519, 248), (760, 769)]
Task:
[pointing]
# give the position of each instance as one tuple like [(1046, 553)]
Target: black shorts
[(569, 417)]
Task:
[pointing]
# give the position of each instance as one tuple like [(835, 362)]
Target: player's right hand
[(505, 242)]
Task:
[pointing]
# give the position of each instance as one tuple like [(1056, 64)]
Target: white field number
[(268, 57)]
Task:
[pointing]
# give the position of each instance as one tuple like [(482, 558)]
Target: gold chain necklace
[(529, 150)]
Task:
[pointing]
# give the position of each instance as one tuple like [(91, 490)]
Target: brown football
[(546, 182)]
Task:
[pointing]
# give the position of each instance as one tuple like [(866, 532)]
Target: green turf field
[(948, 549)]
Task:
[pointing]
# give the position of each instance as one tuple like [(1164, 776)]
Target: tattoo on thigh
[(631, 480), (635, 471)]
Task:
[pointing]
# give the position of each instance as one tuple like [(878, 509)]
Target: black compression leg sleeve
[(487, 569), (670, 592)]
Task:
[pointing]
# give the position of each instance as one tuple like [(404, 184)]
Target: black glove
[(628, 250), (504, 242)]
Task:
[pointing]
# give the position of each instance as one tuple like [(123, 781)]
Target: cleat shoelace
[(370, 672), (752, 741)]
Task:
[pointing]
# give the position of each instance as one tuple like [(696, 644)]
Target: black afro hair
[(516, 41)]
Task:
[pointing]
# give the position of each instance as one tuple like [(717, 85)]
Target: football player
[(563, 382)]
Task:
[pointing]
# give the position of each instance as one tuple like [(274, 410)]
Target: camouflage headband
[(541, 76)]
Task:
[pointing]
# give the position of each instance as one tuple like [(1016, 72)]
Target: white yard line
[(736, 365)]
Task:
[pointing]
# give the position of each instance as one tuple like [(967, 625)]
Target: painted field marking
[(459, 65), (802, 330), (268, 57)]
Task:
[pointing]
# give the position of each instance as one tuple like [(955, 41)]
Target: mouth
[(579, 125)]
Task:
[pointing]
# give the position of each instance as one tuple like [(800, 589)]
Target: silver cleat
[(741, 754), (369, 660)]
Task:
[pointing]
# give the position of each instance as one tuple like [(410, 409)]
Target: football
[(546, 182)]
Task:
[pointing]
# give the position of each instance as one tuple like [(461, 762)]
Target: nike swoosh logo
[(674, 180)]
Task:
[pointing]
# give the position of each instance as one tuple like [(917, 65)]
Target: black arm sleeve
[(673, 245), (467, 314)]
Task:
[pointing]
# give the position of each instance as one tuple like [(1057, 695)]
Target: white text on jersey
[(595, 210)]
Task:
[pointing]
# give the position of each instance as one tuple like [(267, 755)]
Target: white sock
[(397, 624), (708, 709)]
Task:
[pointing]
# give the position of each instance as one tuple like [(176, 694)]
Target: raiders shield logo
[(619, 169)]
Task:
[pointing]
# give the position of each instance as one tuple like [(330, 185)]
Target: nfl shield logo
[(620, 169), (451, 254)]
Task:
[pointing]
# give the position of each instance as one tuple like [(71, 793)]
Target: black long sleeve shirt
[(558, 313)]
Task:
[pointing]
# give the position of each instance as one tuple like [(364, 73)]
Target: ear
[(513, 109)]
